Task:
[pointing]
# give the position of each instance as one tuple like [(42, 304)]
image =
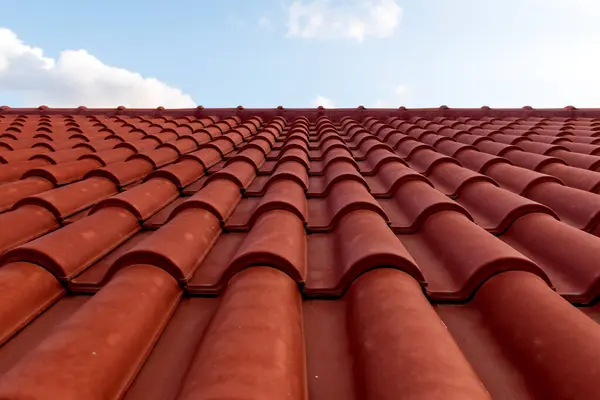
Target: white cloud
[(356, 19), (78, 78), (322, 101)]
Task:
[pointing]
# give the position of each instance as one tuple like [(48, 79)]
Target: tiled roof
[(291, 254)]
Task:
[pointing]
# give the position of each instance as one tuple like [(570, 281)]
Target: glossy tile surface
[(293, 254)]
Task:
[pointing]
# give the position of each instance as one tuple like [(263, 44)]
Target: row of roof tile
[(144, 210)]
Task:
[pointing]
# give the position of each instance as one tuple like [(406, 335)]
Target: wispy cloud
[(264, 22), (236, 21), (399, 96), (322, 101), (78, 78), (355, 19)]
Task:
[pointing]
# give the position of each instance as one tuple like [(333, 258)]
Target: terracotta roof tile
[(299, 253)]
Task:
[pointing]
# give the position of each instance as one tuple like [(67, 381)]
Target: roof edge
[(334, 113)]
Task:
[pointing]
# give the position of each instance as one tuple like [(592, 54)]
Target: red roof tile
[(299, 253)]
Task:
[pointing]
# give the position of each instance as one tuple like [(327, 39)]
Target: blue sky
[(264, 53)]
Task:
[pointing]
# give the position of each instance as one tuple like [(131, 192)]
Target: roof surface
[(292, 254)]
